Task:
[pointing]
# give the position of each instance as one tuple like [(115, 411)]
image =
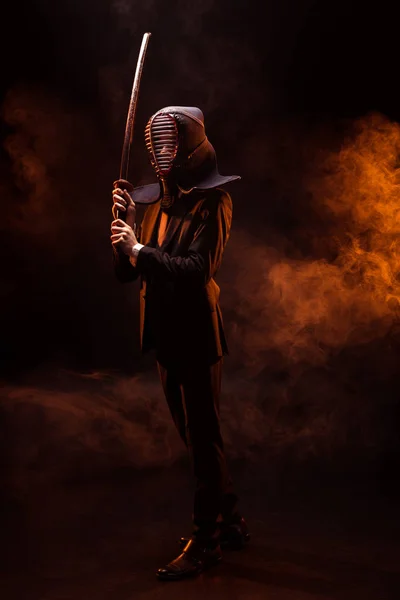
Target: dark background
[(301, 99)]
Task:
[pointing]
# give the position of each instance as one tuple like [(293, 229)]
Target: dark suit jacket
[(179, 312)]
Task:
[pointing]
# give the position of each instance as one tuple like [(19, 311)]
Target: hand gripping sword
[(123, 182)]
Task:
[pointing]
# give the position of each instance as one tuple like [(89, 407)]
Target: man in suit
[(177, 252)]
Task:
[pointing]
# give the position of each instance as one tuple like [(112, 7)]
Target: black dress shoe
[(195, 558), (234, 535)]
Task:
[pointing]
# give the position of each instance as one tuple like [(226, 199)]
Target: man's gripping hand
[(123, 236), (123, 202)]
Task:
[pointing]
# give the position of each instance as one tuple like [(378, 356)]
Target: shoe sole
[(176, 577), (239, 545)]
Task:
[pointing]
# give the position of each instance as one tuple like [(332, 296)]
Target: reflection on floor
[(105, 540)]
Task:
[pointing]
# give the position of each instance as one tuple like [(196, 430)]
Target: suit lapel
[(149, 229), (151, 223), (172, 226), (178, 211)]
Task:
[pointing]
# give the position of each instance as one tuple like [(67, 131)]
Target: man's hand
[(123, 202), (122, 236)]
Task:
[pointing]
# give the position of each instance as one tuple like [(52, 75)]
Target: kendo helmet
[(181, 155)]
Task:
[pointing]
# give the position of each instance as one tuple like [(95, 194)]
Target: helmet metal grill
[(161, 137)]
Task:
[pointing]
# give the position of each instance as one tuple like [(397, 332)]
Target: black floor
[(105, 540)]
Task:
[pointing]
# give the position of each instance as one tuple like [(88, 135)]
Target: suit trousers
[(192, 392)]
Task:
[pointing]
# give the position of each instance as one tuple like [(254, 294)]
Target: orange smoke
[(308, 308), (363, 189)]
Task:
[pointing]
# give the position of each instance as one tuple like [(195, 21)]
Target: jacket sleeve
[(205, 251), (123, 268)]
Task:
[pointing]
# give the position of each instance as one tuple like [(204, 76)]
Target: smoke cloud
[(309, 308)]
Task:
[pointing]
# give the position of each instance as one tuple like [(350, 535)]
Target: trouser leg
[(192, 393), (173, 394), (201, 386)]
